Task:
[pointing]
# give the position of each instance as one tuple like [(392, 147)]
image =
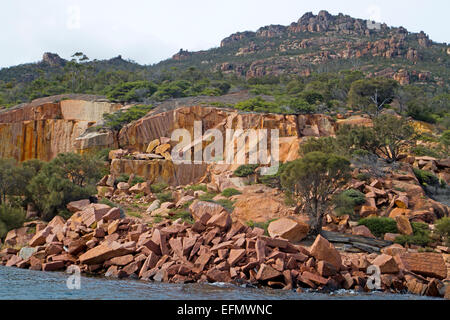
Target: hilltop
[(315, 44)]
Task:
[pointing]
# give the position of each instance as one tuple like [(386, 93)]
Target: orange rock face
[(139, 134), (43, 130)]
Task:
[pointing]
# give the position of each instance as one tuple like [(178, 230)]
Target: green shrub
[(326, 145), (158, 187), (197, 187), (123, 178), (103, 154), (426, 178), (131, 91), (117, 120), (443, 228), (164, 196), (363, 176), (137, 180), (420, 236), (379, 226), (346, 201), (418, 240), (421, 151), (245, 170), (273, 181), (10, 218), (68, 177), (229, 192)]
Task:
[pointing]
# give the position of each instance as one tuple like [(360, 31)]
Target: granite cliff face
[(41, 130), (137, 136), (44, 128)]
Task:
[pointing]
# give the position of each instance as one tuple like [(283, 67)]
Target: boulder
[(235, 256), (266, 272), (93, 213), (104, 191), (26, 252), (152, 145), (402, 202), (447, 292), (391, 236), (403, 225), (79, 205), (120, 261), (221, 220), (184, 200), (141, 187), (399, 212), (367, 211), (162, 149), (155, 205), (113, 214), (386, 263), (426, 264), (362, 231), (40, 237), (123, 186), (76, 246), (13, 261), (53, 266), (113, 226), (215, 275), (322, 249), (288, 229), (203, 211), (326, 269), (103, 252), (393, 250)]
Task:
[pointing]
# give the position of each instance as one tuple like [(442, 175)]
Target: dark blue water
[(27, 284)]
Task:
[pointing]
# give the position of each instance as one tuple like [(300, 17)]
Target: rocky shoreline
[(214, 249)]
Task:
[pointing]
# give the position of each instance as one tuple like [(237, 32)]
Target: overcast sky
[(148, 31)]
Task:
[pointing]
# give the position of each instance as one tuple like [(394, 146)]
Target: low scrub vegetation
[(379, 226)]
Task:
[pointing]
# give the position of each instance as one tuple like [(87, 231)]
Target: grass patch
[(158, 187), (262, 225), (182, 214), (164, 197), (207, 196), (227, 204), (138, 196), (134, 214), (229, 192)]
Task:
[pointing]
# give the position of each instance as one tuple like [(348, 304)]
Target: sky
[(148, 31)]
